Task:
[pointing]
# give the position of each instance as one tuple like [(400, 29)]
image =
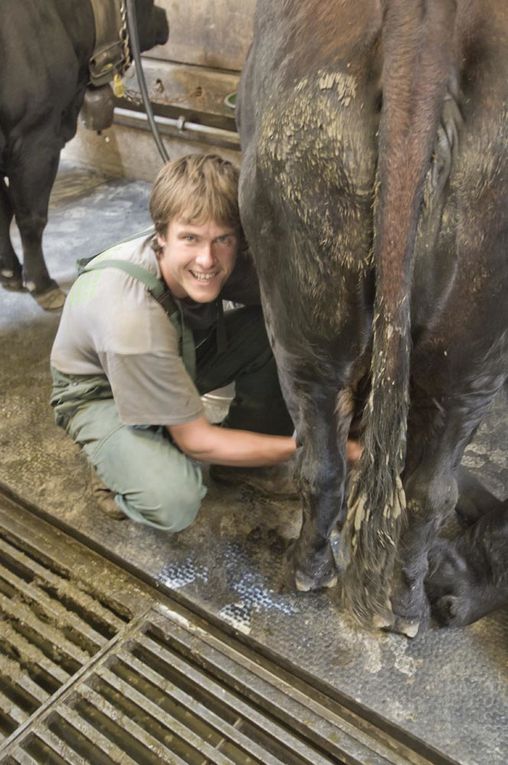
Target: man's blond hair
[(195, 189)]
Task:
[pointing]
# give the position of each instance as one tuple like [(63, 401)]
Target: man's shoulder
[(136, 250), (116, 282)]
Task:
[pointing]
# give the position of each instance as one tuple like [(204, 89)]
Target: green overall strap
[(162, 295), (82, 263)]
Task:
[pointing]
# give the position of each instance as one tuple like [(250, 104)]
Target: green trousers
[(153, 481)]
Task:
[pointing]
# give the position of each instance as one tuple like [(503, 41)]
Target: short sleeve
[(152, 388)]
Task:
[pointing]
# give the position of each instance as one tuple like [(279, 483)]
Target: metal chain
[(124, 35)]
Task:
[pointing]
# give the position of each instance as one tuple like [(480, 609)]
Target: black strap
[(222, 340)]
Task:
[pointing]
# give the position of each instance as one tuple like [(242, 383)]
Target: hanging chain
[(124, 35), (118, 85)]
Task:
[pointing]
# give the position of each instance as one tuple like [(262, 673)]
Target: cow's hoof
[(407, 627), (452, 611), (11, 281), (305, 583), (383, 621), (445, 610), (312, 570), (50, 300)]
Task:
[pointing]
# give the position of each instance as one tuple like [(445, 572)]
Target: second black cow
[(45, 51), (374, 196)]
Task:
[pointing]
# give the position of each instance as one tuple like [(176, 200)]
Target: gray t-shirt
[(111, 325)]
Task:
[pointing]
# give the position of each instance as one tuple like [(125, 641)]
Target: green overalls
[(85, 407)]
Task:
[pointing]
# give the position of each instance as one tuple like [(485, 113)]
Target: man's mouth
[(201, 277)]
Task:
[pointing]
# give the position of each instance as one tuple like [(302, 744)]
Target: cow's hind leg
[(436, 444), (321, 478), (10, 267), (31, 181), (322, 425), (474, 498), (430, 494)]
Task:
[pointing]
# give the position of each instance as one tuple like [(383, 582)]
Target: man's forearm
[(223, 446)]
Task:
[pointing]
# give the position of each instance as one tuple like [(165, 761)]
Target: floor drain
[(98, 667)]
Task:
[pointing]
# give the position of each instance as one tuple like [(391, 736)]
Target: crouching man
[(142, 337)]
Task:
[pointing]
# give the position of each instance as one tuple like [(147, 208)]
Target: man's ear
[(161, 241)]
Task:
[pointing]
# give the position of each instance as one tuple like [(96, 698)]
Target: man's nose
[(205, 257)]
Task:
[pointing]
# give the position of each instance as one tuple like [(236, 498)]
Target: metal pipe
[(131, 118), (136, 54)]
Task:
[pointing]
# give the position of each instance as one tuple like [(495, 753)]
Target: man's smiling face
[(196, 260)]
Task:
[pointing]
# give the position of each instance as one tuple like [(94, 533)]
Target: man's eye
[(226, 239)]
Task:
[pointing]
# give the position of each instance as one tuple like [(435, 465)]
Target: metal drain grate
[(171, 692), (95, 667), (50, 628), (60, 610)]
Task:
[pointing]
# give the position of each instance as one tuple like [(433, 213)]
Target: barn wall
[(209, 33), (188, 80)]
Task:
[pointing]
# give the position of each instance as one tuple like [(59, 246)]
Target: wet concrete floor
[(448, 687)]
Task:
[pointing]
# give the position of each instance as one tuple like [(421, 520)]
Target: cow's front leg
[(31, 180), (468, 576), (10, 267)]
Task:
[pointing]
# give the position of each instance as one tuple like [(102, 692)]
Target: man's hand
[(354, 451)]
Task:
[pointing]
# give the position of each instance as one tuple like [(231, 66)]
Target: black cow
[(374, 198), (45, 48)]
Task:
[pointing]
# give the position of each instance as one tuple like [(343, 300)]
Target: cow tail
[(416, 44)]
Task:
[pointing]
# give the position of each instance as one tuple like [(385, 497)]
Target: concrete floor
[(449, 688)]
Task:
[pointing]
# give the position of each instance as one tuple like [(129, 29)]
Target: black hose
[(136, 55)]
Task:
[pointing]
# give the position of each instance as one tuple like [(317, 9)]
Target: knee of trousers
[(169, 508)]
